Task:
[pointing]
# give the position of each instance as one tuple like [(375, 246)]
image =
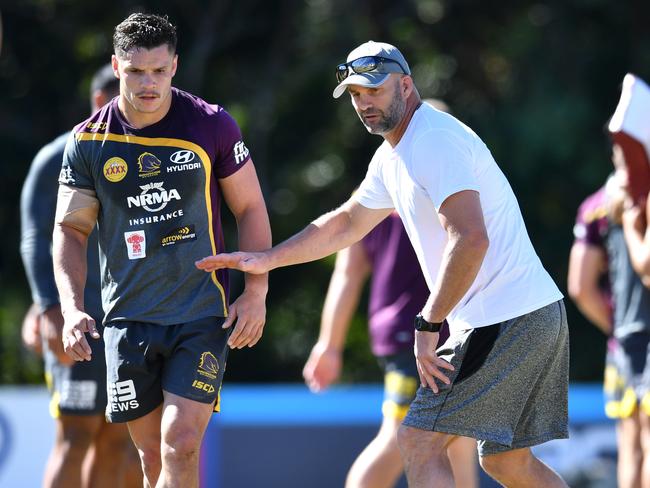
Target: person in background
[(87, 450), (628, 371), (587, 281)]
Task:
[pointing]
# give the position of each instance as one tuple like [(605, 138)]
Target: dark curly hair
[(146, 31)]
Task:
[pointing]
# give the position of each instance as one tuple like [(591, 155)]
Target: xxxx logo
[(115, 169)]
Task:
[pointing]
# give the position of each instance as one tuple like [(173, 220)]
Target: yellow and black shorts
[(627, 376), (143, 360), (401, 381)]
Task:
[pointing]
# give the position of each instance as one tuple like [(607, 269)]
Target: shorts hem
[(82, 413), (183, 394), (138, 414), (451, 431), (529, 442)]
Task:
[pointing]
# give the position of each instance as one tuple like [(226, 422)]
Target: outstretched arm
[(327, 234), (325, 361), (243, 196)]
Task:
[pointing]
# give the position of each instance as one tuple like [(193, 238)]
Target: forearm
[(594, 306), (324, 236), (69, 257), (254, 233), (340, 304), (461, 261)]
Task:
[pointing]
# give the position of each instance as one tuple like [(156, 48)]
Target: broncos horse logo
[(148, 165), (208, 365)]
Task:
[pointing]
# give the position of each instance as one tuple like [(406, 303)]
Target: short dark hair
[(146, 31), (105, 80)]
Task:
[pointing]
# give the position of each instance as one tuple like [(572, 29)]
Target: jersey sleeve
[(74, 170), (590, 221), (37, 207), (443, 165), (372, 192), (231, 152)]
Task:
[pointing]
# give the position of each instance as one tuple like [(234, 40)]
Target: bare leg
[(425, 457), (115, 454), (183, 425), (630, 455), (463, 457), (520, 469), (74, 434), (145, 433), (644, 437), (380, 464)]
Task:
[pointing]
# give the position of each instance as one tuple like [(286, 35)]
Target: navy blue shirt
[(37, 208)]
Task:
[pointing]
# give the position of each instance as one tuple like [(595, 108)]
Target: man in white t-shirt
[(502, 376)]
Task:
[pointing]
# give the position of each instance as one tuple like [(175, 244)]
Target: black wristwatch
[(422, 325)]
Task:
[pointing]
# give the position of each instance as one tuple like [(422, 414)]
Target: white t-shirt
[(437, 157)]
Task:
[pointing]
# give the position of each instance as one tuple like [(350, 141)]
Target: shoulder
[(438, 134), (56, 146), (200, 107), (51, 153), (593, 207), (99, 122), (209, 114)]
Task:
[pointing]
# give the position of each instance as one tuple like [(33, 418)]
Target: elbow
[(646, 281), (479, 241), (576, 292), (583, 293)]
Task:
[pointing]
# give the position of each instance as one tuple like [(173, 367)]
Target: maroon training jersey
[(398, 290), (160, 203)]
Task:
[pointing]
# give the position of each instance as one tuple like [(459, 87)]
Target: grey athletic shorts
[(79, 388), (509, 389), (144, 359)]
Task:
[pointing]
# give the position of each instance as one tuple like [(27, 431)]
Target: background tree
[(536, 80)]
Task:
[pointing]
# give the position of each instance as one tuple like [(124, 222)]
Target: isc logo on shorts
[(202, 385), (121, 396)]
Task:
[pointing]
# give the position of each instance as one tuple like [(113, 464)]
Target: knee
[(75, 439), (405, 438), (150, 459), (414, 442), (500, 466), (114, 438), (179, 444), (492, 465), (149, 453)]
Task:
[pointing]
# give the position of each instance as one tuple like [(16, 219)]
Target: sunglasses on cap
[(367, 64)]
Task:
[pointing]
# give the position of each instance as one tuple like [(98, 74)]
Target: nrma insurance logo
[(153, 197)]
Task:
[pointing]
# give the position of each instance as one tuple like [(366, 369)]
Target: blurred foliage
[(536, 80)]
